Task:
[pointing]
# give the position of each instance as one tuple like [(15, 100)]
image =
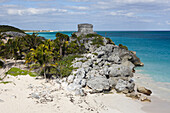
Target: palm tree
[(32, 41), (42, 54), (11, 49), (62, 41)]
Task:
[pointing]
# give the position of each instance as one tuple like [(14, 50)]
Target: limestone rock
[(77, 64), (125, 86), (79, 92), (114, 58), (73, 87), (98, 84), (144, 91), (120, 70), (145, 99), (133, 95), (70, 78), (128, 64)]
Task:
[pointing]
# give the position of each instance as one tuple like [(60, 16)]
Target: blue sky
[(103, 14)]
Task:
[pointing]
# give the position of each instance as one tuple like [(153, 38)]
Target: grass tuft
[(16, 71)]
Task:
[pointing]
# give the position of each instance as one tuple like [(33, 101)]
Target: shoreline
[(160, 98), (18, 92), (63, 102)]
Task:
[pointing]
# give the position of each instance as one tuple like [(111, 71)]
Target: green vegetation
[(5, 82), (16, 71), (1, 64), (62, 41), (123, 47), (95, 54), (110, 41), (48, 57), (98, 41), (64, 65), (92, 35), (5, 28)]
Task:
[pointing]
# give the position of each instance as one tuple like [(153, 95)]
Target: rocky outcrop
[(103, 68), (13, 34), (144, 91), (98, 84)]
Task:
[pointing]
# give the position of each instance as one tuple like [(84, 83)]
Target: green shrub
[(16, 71), (123, 47), (95, 54), (5, 82), (98, 41), (92, 35), (64, 65), (110, 41), (74, 35)]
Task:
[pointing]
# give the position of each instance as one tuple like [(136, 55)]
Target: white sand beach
[(14, 98), (160, 94)]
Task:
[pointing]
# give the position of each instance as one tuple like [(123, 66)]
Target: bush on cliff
[(98, 41), (92, 35), (123, 47), (109, 41)]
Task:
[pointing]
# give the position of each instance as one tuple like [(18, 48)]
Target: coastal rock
[(98, 84), (80, 59), (80, 73), (108, 48), (112, 82), (73, 87), (133, 95), (144, 99), (35, 95), (79, 92), (70, 78), (77, 64), (135, 60), (114, 58), (77, 81), (125, 86), (120, 70), (128, 64), (83, 82), (144, 91), (14, 34)]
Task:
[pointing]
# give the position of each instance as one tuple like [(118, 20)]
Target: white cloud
[(80, 0), (167, 22), (2, 1), (77, 13), (146, 20), (122, 13), (34, 11), (79, 7), (39, 0)]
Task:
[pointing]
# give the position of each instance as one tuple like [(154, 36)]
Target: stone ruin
[(84, 29)]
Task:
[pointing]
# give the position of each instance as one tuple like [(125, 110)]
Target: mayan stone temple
[(84, 29)]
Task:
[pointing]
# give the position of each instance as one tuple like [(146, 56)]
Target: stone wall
[(85, 29)]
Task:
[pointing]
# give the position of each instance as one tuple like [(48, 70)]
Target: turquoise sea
[(152, 47)]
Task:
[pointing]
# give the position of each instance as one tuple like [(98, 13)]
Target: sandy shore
[(160, 94), (14, 98)]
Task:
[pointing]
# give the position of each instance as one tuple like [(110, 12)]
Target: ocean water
[(152, 47)]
